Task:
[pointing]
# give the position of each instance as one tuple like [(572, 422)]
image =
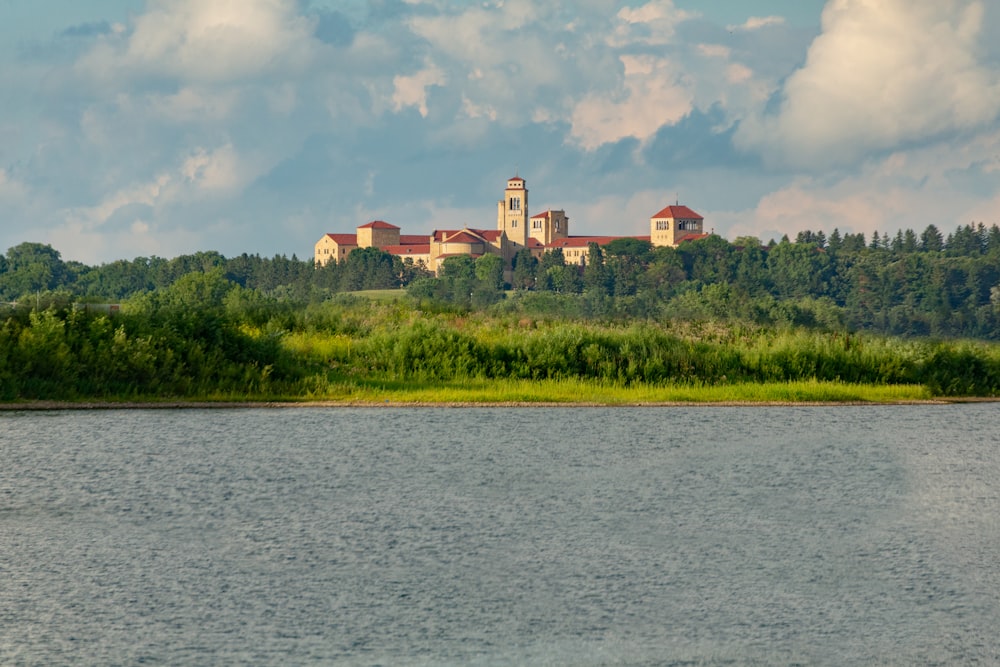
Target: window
[(515, 203), (536, 224), (662, 225)]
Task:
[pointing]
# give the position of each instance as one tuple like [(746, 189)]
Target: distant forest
[(912, 284)]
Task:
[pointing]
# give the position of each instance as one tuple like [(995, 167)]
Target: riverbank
[(32, 406)]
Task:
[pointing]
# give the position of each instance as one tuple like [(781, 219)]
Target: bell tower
[(512, 211)]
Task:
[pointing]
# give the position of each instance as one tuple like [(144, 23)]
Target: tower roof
[(378, 224), (678, 212)]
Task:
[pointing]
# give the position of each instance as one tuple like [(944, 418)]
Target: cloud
[(653, 23), (207, 40), (757, 22), (652, 97), (220, 171), (881, 75), (10, 189), (412, 90), (905, 190)]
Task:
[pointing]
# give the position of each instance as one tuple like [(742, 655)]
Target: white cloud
[(652, 97), (714, 51), (880, 75), (652, 23), (152, 193), (219, 171), (905, 190), (206, 40), (195, 103), (758, 22), (412, 90)]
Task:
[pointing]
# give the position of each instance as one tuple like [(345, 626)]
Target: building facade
[(675, 224), (515, 230)]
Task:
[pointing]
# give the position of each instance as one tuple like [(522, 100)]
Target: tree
[(626, 260), (32, 268), (489, 271), (836, 241), (931, 239), (799, 270), (371, 268), (525, 269), (595, 275)]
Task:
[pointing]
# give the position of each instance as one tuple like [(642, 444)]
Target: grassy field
[(584, 392), (382, 349)]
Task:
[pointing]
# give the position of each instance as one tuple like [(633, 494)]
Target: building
[(674, 225), (515, 230), (376, 234)]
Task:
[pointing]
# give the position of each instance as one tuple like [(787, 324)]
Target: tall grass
[(358, 350), (589, 392), (439, 351)]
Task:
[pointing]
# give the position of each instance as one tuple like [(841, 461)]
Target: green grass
[(582, 392)]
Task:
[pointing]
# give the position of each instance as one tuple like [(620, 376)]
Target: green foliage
[(208, 338), (525, 270)]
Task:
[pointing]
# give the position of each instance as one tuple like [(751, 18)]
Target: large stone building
[(515, 230)]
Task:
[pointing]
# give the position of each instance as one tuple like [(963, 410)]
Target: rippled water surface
[(716, 536)]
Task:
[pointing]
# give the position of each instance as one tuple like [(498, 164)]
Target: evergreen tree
[(525, 269)]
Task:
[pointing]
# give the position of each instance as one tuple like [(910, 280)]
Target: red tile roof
[(344, 239), (378, 224), (464, 237), (541, 215), (678, 212), (516, 178), (490, 234), (535, 243), (413, 239)]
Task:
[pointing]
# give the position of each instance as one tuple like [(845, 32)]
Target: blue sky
[(160, 127)]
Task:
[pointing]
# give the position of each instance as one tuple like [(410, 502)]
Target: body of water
[(488, 536)]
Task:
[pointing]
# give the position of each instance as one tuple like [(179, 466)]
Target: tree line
[(910, 284)]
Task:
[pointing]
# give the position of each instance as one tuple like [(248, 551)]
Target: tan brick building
[(514, 230)]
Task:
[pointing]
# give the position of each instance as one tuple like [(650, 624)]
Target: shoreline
[(46, 406)]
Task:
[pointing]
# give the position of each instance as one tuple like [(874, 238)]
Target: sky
[(137, 128)]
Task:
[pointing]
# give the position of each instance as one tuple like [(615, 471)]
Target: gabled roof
[(489, 234), (378, 224), (541, 215), (464, 236), (343, 239), (678, 212), (449, 235), (535, 243)]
